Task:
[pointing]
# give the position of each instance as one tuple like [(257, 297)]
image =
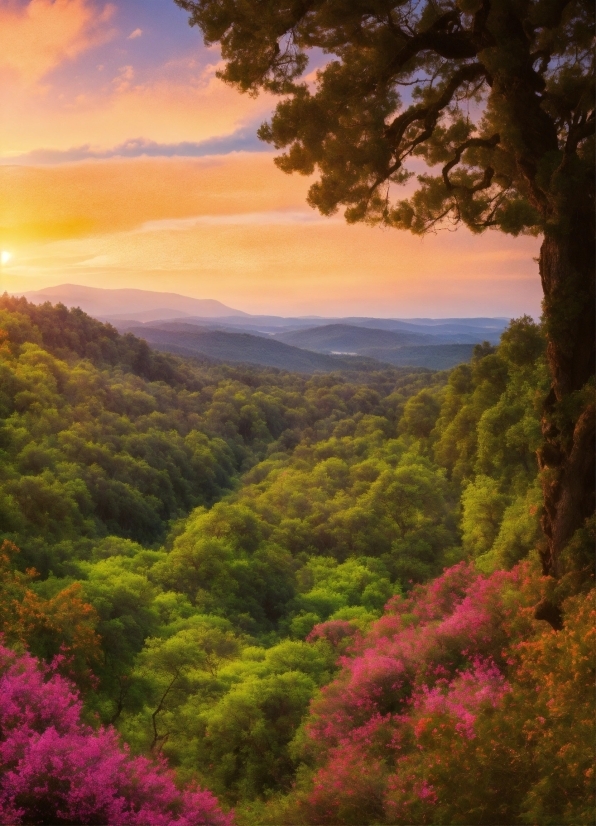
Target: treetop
[(489, 103)]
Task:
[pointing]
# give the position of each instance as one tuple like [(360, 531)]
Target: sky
[(125, 162)]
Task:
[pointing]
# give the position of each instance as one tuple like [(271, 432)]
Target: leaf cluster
[(498, 96)]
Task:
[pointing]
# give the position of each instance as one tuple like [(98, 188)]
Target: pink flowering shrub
[(55, 769), (456, 707), (427, 641), (481, 686), (336, 632), (349, 789), (423, 674)]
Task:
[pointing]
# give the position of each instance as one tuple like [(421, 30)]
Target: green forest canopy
[(489, 105), (198, 527)]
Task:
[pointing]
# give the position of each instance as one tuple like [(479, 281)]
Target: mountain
[(236, 348), (440, 331), (125, 306), (433, 356), (139, 305), (345, 338), (445, 330), (243, 348)]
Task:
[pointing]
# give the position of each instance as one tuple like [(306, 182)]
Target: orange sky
[(89, 89)]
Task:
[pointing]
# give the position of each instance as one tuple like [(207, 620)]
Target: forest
[(242, 595)]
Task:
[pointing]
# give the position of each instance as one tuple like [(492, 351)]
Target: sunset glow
[(297, 435), (126, 162)]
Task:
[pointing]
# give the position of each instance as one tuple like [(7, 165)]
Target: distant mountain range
[(346, 338), (139, 305), (208, 328), (243, 348), (237, 347), (447, 331)]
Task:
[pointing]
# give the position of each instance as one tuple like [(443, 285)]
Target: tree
[(500, 96), (56, 769), (60, 629), (170, 667), (456, 706)]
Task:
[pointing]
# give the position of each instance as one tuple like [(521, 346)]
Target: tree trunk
[(566, 458)]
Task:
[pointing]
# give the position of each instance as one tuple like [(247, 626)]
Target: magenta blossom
[(55, 769)]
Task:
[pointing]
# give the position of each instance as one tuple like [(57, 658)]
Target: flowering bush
[(457, 707), (55, 769), (336, 632)]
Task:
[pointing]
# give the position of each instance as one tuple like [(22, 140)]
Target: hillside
[(402, 349), (432, 356), (290, 587), (244, 348), (141, 305), (345, 338), (102, 435), (224, 344)]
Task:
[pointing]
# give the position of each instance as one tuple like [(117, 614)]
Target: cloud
[(39, 35), (235, 228), (124, 78), (268, 218), (244, 139), (88, 198), (135, 34), (169, 104)]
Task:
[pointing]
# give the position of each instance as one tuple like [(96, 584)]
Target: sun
[(5, 257)]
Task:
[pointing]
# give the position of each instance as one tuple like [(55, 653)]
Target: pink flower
[(53, 768)]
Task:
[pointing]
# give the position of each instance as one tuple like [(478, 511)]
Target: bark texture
[(567, 457)]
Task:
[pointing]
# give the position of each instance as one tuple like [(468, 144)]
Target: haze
[(126, 163)]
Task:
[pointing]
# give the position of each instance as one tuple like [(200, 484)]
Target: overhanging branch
[(429, 114), (485, 143)]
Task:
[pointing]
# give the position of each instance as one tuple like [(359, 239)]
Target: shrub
[(56, 769)]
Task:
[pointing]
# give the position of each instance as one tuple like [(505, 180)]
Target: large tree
[(490, 103)]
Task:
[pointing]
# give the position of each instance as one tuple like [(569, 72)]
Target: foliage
[(457, 681), (316, 607), (56, 769), (496, 96), (64, 333), (100, 435), (224, 709), (63, 626)]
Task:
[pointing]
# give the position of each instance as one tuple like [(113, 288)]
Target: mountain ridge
[(108, 303), (244, 348)]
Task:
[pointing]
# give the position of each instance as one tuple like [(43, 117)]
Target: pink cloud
[(42, 34)]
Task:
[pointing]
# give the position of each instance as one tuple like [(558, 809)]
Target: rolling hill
[(434, 331), (398, 347), (345, 338), (238, 347), (139, 305), (243, 348), (433, 356)]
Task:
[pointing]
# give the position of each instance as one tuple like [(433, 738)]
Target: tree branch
[(430, 113), (486, 143), (578, 133), (444, 37), (157, 736)]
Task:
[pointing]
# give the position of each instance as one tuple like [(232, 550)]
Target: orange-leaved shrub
[(63, 625)]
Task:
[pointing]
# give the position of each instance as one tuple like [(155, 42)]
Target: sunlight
[(296, 427)]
